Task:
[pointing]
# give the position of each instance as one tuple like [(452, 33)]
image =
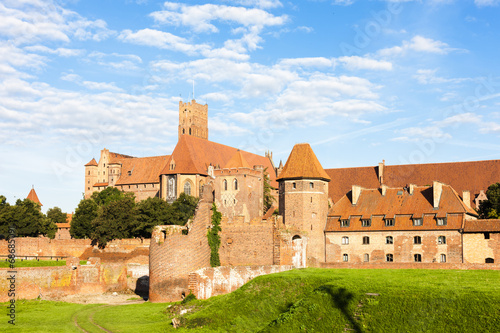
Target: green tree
[(490, 209), (56, 215), (5, 217), (150, 213), (115, 220), (107, 196), (29, 221), (183, 209), (81, 224), (214, 237), (268, 197)]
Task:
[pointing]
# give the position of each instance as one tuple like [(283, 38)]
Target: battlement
[(193, 119)]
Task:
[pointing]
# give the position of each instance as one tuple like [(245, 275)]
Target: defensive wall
[(128, 250), (408, 265), (54, 282), (213, 281)]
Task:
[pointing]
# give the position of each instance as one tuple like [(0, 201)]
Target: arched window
[(201, 188), (235, 184), (366, 257), (345, 240), (389, 240), (171, 187), (441, 240), (417, 240), (389, 257), (366, 240), (225, 185), (187, 188), (442, 258), (311, 185), (345, 257), (417, 257), (489, 261)]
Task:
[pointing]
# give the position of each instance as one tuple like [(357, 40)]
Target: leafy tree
[(56, 215), (29, 221), (5, 217), (214, 237), (81, 224), (150, 213), (183, 209), (268, 197), (108, 195), (116, 220), (490, 209)]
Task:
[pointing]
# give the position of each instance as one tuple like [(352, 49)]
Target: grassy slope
[(33, 263), (311, 300)]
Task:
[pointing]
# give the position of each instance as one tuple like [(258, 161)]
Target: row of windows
[(390, 240), (390, 257), (391, 222), (311, 185), (235, 184)]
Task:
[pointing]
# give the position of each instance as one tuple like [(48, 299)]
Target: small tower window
[(236, 184), (311, 185), (189, 131), (225, 185)]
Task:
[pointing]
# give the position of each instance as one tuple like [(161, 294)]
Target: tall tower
[(193, 119), (303, 201)]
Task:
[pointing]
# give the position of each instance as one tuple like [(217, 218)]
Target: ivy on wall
[(214, 237)]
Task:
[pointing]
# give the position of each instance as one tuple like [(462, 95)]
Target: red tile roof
[(100, 184), (482, 226), (92, 163), (237, 161), (269, 212), (142, 170), (462, 176), (193, 156), (117, 158), (33, 197), (303, 163), (396, 202)]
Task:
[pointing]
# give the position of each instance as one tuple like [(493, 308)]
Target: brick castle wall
[(246, 243), (212, 281), (54, 282), (477, 248), (131, 250), (415, 265), (174, 254)]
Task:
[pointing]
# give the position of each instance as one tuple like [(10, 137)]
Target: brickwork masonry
[(212, 281), (92, 278)]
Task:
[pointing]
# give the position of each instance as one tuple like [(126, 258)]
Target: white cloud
[(259, 3), (418, 133), (91, 85), (61, 51), (306, 62), (459, 119), (486, 3), (200, 17), (417, 44), (428, 76), (355, 63)]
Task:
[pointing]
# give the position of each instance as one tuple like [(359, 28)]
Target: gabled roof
[(33, 197), (92, 163), (118, 158), (193, 156), (141, 170), (397, 201), (462, 176), (237, 161), (303, 163), (492, 225)]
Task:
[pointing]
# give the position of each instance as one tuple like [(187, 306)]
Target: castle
[(384, 215)]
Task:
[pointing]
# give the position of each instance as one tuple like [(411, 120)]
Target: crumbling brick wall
[(176, 251)]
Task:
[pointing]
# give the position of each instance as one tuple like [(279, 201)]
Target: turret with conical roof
[(303, 194)]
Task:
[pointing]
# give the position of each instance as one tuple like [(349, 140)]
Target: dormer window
[(417, 221), (129, 172), (389, 222), (344, 223), (441, 221), (366, 222)]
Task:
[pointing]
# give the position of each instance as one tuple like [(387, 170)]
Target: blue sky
[(361, 81)]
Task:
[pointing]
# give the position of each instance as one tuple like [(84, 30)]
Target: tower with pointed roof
[(193, 119), (303, 203), (33, 197)]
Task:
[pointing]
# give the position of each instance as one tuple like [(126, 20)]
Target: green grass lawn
[(308, 300), (33, 263)]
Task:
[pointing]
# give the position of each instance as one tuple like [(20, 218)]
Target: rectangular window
[(443, 258), (345, 240), (366, 222), (344, 223), (417, 240), (417, 257), (389, 222), (345, 257), (441, 221), (366, 240), (366, 257), (417, 222), (486, 235)]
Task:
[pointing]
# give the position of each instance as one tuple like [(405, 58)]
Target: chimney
[(381, 172), (466, 198), (437, 190), (412, 188), (356, 192), (384, 189)]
